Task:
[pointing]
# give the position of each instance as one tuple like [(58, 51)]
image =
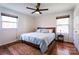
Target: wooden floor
[(64, 48), (58, 48)]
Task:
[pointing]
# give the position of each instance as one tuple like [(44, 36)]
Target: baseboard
[(11, 43), (64, 41)]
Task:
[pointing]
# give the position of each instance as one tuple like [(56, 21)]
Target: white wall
[(46, 21), (25, 24), (76, 27), (50, 21)]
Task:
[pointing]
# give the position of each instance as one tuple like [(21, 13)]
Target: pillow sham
[(38, 30), (44, 31), (50, 30)]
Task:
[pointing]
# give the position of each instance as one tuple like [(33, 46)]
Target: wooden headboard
[(53, 28)]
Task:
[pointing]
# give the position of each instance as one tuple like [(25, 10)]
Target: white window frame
[(7, 15), (62, 25)]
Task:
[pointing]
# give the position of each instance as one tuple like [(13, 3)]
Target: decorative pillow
[(39, 30), (44, 31), (50, 30)]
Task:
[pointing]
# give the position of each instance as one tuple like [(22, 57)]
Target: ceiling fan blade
[(34, 12), (40, 12), (43, 9), (30, 8)]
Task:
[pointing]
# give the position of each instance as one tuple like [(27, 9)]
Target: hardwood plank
[(64, 48), (19, 48)]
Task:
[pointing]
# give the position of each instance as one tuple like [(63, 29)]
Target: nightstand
[(60, 37)]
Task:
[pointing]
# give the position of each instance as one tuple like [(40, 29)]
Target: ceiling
[(52, 7)]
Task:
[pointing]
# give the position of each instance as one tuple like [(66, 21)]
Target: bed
[(42, 37)]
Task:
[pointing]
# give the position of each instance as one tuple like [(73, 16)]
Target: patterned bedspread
[(40, 39)]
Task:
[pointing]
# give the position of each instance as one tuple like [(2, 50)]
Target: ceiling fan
[(37, 10)]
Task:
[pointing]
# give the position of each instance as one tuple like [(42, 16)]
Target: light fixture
[(37, 12)]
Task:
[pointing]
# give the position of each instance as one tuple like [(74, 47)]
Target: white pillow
[(44, 31), (38, 30)]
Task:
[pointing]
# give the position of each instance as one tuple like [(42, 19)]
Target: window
[(63, 25), (9, 21)]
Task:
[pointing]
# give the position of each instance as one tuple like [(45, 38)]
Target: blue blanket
[(41, 43)]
